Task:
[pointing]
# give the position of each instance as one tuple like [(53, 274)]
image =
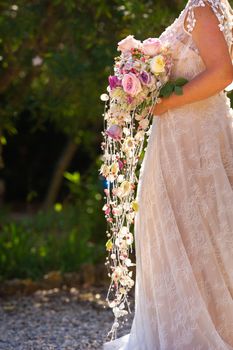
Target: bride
[(184, 226)]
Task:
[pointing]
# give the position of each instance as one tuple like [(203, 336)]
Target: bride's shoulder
[(221, 9), (192, 5), (186, 21)]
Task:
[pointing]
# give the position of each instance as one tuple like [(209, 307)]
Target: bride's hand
[(160, 108)]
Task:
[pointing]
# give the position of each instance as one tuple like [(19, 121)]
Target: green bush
[(62, 238)]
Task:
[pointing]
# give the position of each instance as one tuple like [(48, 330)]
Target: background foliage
[(55, 57)]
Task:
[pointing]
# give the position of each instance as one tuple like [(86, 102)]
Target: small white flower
[(117, 273), (128, 262), (104, 97), (120, 178), (126, 206), (130, 216), (37, 61), (140, 135), (118, 313), (112, 304), (129, 238), (123, 231), (144, 123), (126, 131)]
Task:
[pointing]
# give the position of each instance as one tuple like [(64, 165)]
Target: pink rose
[(151, 46), (128, 43), (131, 84)]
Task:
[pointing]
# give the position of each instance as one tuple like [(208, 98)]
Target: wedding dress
[(184, 227)]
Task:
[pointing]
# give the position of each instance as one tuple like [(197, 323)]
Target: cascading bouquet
[(141, 77)]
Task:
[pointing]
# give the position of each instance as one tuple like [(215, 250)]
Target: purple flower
[(145, 78), (121, 164), (114, 131), (114, 81)]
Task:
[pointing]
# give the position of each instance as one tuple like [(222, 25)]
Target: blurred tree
[(55, 57)]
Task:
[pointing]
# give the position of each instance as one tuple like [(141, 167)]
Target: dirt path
[(66, 319)]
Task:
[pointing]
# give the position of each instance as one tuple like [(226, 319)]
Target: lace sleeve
[(221, 9)]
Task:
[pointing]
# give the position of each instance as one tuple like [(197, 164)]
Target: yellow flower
[(114, 168), (109, 245), (104, 170), (134, 205), (125, 188), (157, 64)]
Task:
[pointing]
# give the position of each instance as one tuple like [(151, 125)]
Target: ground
[(57, 319)]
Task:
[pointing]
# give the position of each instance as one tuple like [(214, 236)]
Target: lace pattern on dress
[(222, 12)]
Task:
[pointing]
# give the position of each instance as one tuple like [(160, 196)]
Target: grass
[(61, 240)]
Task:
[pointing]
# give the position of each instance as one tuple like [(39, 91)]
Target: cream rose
[(157, 64)]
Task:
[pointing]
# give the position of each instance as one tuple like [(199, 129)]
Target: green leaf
[(178, 90), (167, 89), (180, 81)]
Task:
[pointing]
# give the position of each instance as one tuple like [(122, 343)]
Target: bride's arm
[(214, 52)]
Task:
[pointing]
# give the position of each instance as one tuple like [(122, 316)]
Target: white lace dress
[(184, 226)]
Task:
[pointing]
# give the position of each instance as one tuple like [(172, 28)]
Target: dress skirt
[(184, 232)]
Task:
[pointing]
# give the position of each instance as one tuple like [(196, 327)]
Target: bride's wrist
[(169, 101), (174, 101)]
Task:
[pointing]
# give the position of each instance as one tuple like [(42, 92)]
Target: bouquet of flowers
[(141, 77)]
